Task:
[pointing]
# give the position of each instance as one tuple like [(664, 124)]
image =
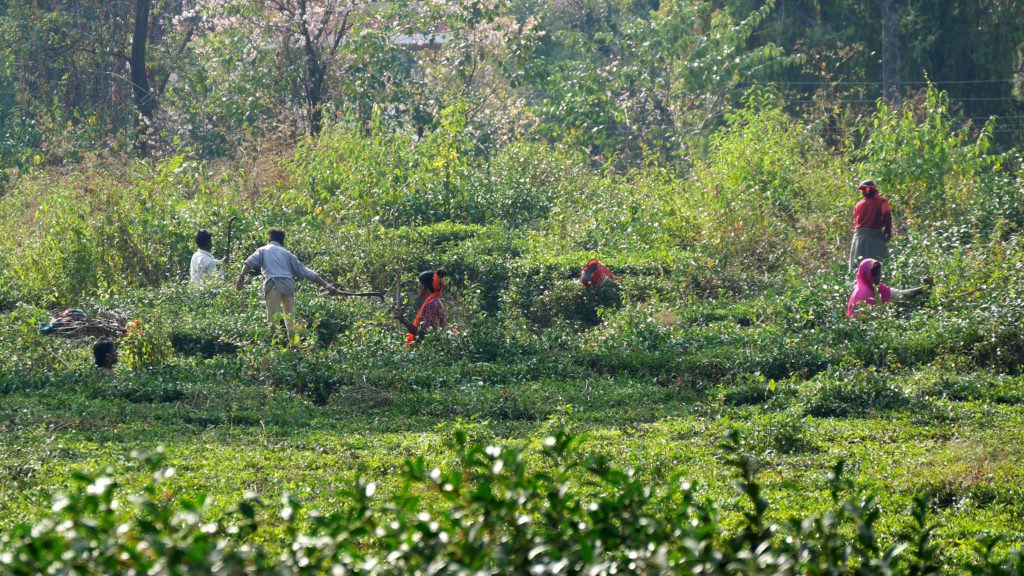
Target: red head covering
[(868, 188)]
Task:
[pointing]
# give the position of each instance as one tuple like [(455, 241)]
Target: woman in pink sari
[(870, 290)]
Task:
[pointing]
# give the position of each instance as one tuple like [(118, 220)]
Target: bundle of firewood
[(106, 324)]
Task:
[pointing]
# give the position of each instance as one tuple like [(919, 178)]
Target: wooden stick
[(369, 294), (227, 251)]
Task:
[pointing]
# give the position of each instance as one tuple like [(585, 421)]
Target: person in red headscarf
[(430, 311), (872, 226), (595, 274), (871, 291)]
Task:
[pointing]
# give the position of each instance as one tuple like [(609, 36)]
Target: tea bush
[(773, 433), (995, 207), (939, 381), (756, 389), (570, 300), (494, 509), (143, 346), (839, 392), (158, 388), (29, 350)]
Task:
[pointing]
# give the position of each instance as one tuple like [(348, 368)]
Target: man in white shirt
[(279, 268), (204, 267)]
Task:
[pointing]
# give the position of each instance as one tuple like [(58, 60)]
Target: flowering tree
[(479, 57), (150, 23), (398, 62), (311, 33), (314, 43)]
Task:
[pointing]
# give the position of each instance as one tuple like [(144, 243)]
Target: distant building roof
[(420, 41)]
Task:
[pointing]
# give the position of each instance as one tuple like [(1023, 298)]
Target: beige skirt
[(867, 243)]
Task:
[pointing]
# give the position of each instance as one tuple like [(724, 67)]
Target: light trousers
[(275, 302)]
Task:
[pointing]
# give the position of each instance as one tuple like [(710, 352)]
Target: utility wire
[(874, 83)]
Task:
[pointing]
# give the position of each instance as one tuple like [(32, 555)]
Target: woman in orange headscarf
[(430, 311)]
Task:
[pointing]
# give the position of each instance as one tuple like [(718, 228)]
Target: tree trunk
[(145, 103), (315, 73), (892, 11), (314, 99)]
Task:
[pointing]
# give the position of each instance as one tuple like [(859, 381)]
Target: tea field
[(723, 357)]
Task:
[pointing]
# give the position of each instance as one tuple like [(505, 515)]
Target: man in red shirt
[(872, 226)]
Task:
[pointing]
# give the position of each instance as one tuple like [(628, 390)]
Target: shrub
[(111, 229), (144, 346), (571, 301), (30, 351), (764, 200), (841, 392), (495, 511), (771, 433), (924, 162), (1002, 350), (943, 380), (752, 389)]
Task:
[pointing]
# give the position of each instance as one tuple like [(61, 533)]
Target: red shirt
[(595, 273), (873, 213)]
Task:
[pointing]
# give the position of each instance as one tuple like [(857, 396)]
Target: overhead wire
[(876, 82)]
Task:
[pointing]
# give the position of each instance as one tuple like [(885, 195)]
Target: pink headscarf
[(865, 290)]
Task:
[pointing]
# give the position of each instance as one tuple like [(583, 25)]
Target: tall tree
[(316, 42), (313, 31), (892, 12), (145, 101), (967, 47), (480, 60), (637, 82), (85, 68)]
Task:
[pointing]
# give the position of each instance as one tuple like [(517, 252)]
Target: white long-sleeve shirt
[(204, 267)]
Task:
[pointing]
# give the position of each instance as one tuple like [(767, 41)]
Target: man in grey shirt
[(279, 268)]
